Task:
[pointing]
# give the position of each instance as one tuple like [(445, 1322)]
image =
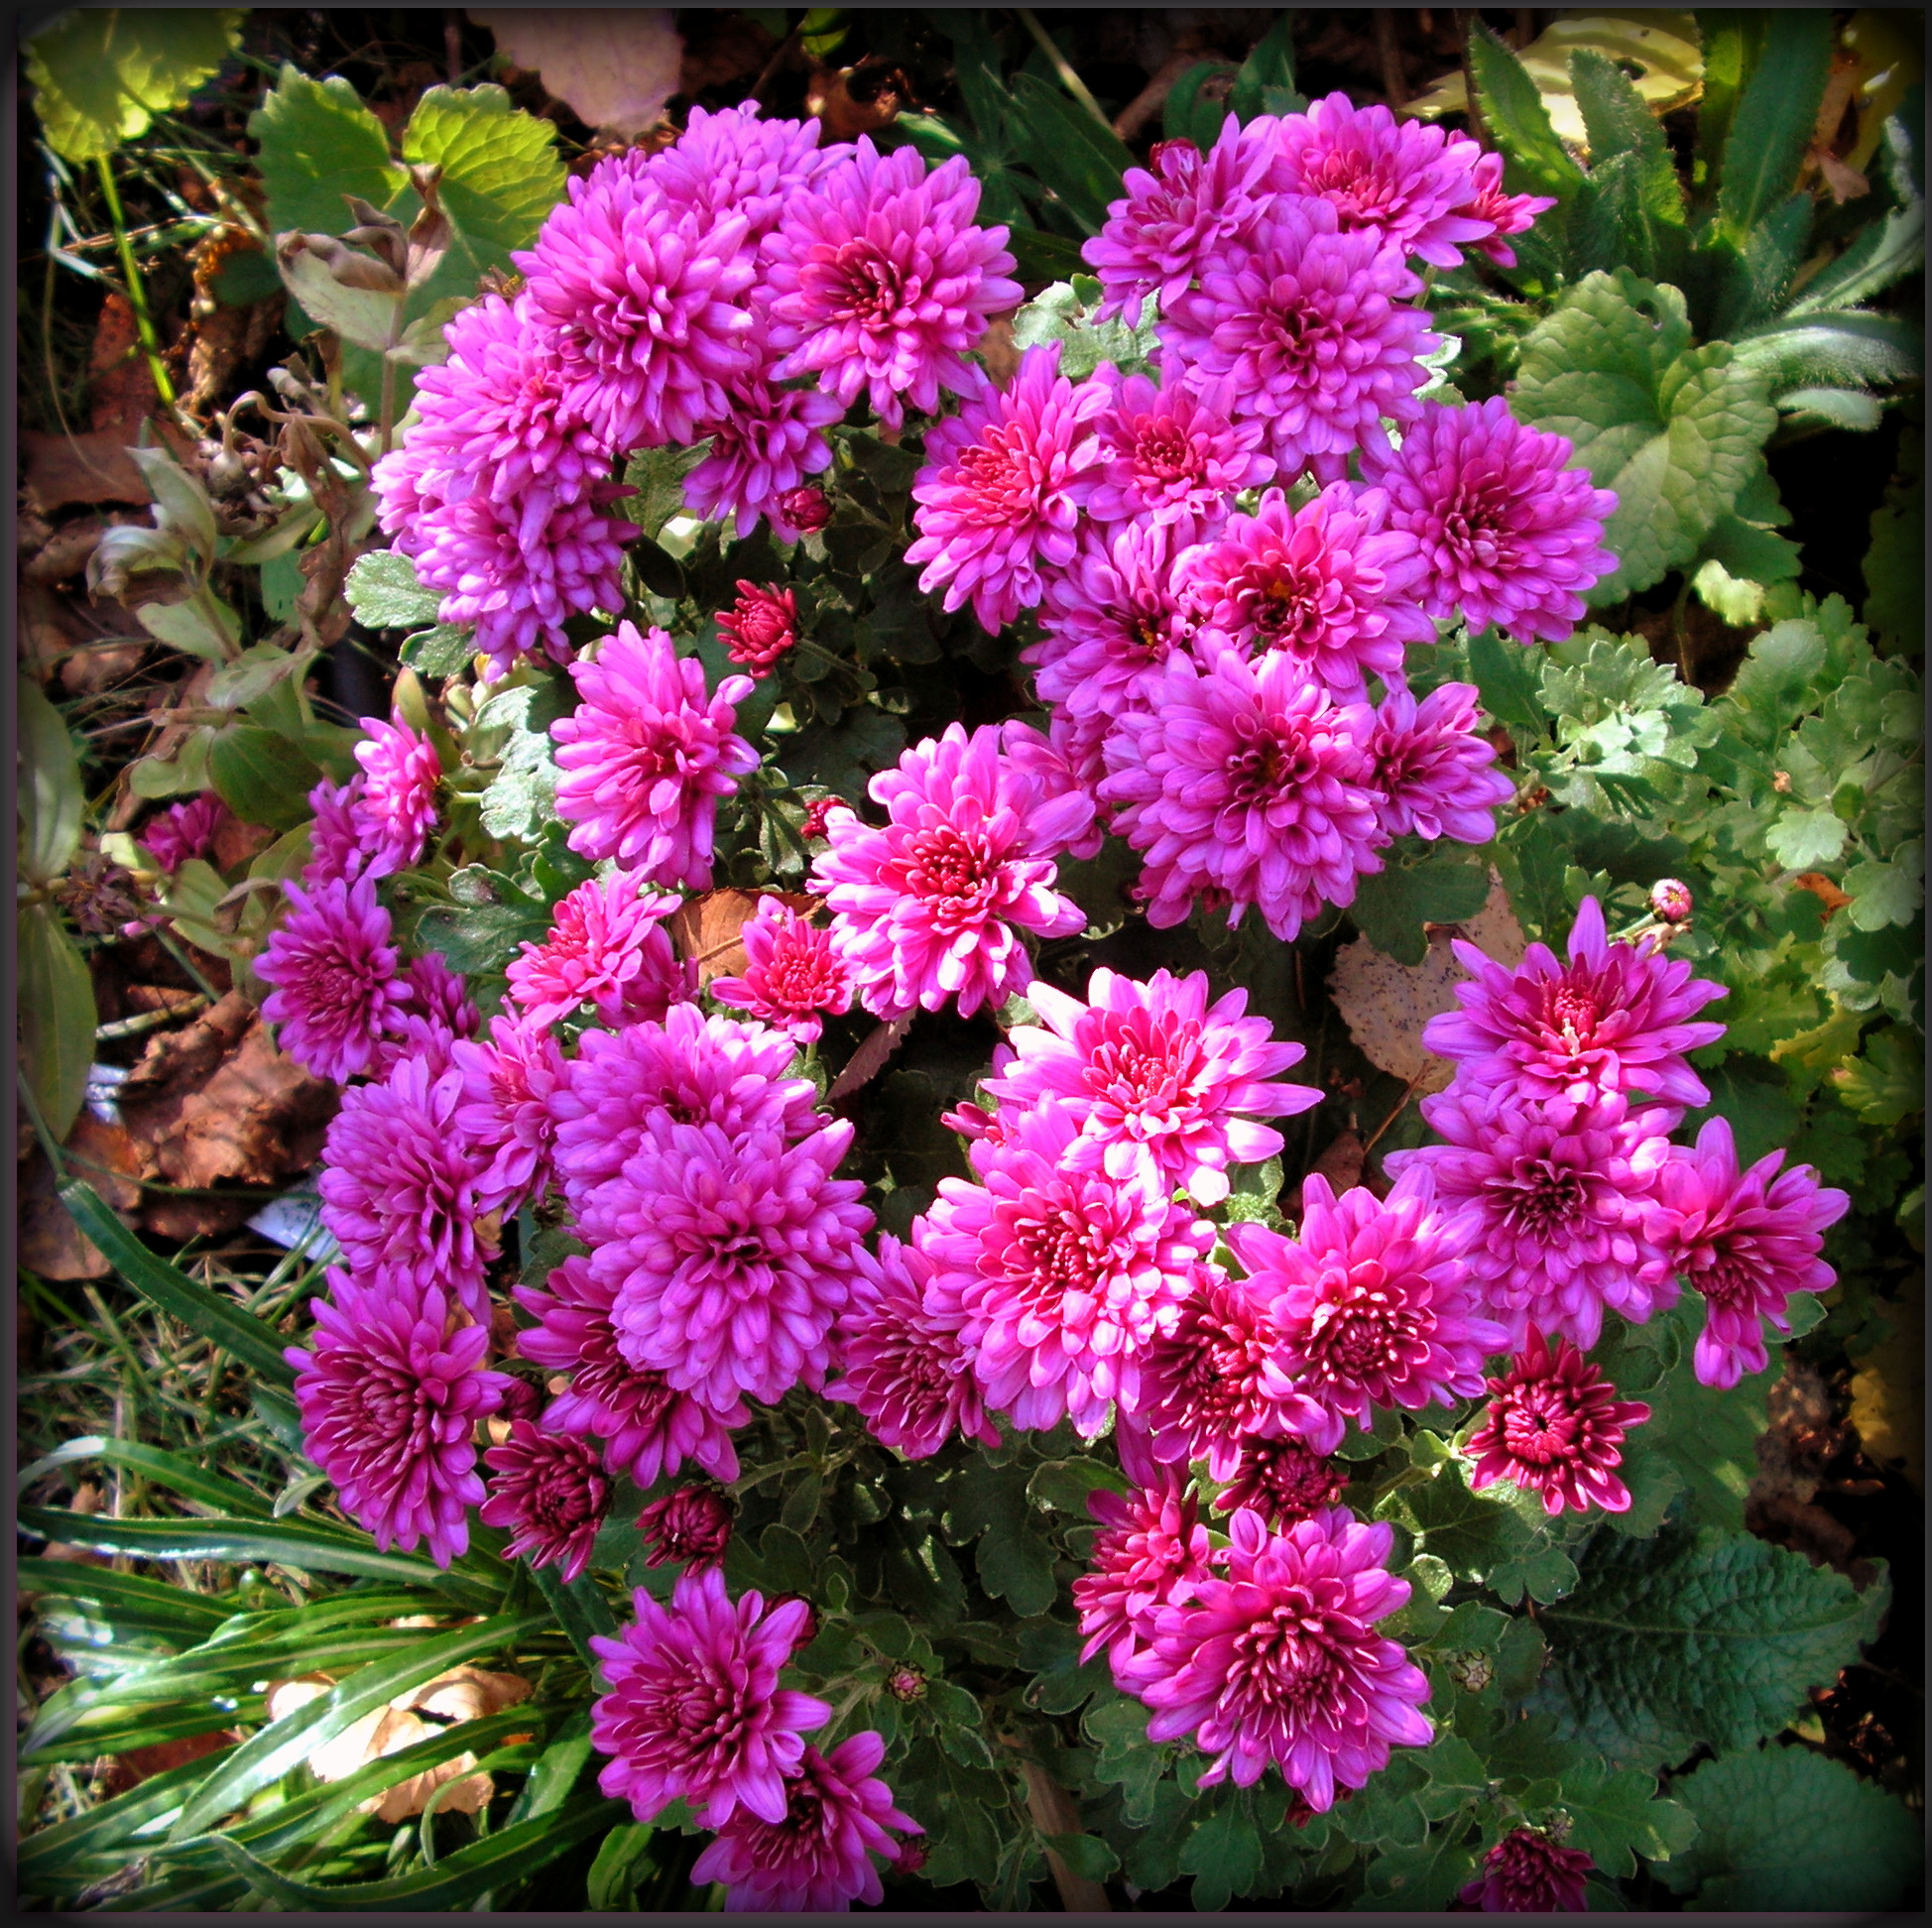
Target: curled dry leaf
[(51, 1245), (705, 928), (614, 68), (1385, 1004)]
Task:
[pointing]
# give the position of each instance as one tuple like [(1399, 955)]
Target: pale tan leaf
[(615, 68), (705, 928)]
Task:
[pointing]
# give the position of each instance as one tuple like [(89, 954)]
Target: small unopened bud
[(910, 1859), (816, 814), (905, 1684), (1670, 900), (1159, 153), (1472, 1671), (806, 510), (691, 1526)]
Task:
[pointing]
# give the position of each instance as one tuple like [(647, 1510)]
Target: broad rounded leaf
[(101, 73)]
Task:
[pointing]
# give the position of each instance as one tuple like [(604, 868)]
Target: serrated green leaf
[(1441, 883), (316, 144), (1616, 1814), (385, 593), (1804, 839), (1423, 1876), (1888, 893), (1224, 1853), (500, 175), (1886, 1083), (57, 1018), (1619, 124), (1507, 678), (1514, 112), (101, 74)]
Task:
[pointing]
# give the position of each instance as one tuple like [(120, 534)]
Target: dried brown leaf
[(51, 1246), (614, 68), (705, 928)]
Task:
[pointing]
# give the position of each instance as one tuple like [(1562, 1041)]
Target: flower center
[(1284, 1661), (1162, 453), (1542, 1425), (1142, 1076), (1272, 761), (861, 284), (1362, 1328), (999, 485), (1543, 1197), (950, 870)]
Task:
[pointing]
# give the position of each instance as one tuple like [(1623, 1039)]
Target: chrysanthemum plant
[(855, 1251)]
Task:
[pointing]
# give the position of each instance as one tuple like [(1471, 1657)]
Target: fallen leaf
[(1341, 1165), (51, 1246), (705, 928), (844, 114), (130, 1767), (869, 1059), (614, 68), (1823, 888)]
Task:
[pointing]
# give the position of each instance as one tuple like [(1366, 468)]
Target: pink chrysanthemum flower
[(336, 853), (436, 1015), (1556, 1212), (1504, 531), (1555, 1427), (689, 1069), (399, 1186), (1327, 584), (929, 909), (1313, 329), (1062, 1278), (647, 1429), (732, 1257), (690, 1527), (1180, 214), (1205, 1385), (644, 303), (1283, 1481), (694, 1708), (333, 966), (762, 450), (1505, 213), (997, 496), (185, 830), (1435, 772), (1744, 1241), (1159, 1077), (1527, 1872), (1151, 1550), (760, 626), (608, 947), (1039, 761), (1371, 1301), (506, 1114), (1615, 1020), (818, 1859), (901, 1363), (1278, 1660), (1246, 780), (390, 1397), (794, 974), (734, 161), (547, 1488), (647, 755), (1174, 457), (1404, 180), (880, 282), (397, 809)]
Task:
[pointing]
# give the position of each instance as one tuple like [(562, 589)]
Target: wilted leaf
[(705, 928), (615, 69)]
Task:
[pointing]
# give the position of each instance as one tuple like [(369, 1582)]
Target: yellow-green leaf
[(57, 1018), (101, 73)]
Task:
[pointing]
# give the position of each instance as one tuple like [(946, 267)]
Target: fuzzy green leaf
[(385, 593), (1514, 112), (1771, 127)]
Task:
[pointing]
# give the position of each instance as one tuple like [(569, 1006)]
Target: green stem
[(137, 293), (1070, 81)]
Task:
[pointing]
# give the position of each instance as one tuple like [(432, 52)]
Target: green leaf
[(1696, 1637), (100, 75), (444, 650), (202, 1311), (1507, 678), (365, 317), (152, 1605), (1224, 1853), (1470, 1532), (622, 1858), (1086, 1854), (1615, 1815), (385, 593), (1080, 159), (1804, 839), (1621, 125), (262, 776), (1439, 884), (989, 1503), (57, 1018), (500, 173), (1775, 112), (182, 1475), (1783, 1830), (1888, 893), (1674, 431), (51, 800), (317, 144), (1057, 313), (1886, 1083), (1514, 112), (1426, 1877), (1265, 82)]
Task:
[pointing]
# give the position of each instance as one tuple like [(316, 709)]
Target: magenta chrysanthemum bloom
[(1527, 1872), (1205, 1385), (1062, 1278), (397, 809), (1148, 1553), (1373, 1303), (390, 1397), (647, 755), (1313, 330), (1283, 1481), (1401, 181), (880, 282), (760, 626), (333, 966), (1326, 584), (1615, 1020), (901, 1363), (185, 830), (1555, 1427), (608, 947), (1278, 1661), (806, 511), (1435, 773), (647, 1429), (1180, 214), (1174, 457), (1505, 530), (694, 1707), (547, 1488), (762, 449), (691, 1526), (401, 1188), (734, 161), (818, 1859), (509, 1083), (1744, 1241), (929, 909), (1505, 213), (689, 1069), (1159, 1077), (1556, 1212), (1246, 780), (436, 1013), (1039, 761), (732, 1257), (793, 975), (644, 303), (336, 854), (997, 496)]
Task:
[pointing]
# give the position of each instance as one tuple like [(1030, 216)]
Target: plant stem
[(137, 293), (1070, 81)]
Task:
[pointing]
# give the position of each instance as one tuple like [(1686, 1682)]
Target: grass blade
[(166, 1468)]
